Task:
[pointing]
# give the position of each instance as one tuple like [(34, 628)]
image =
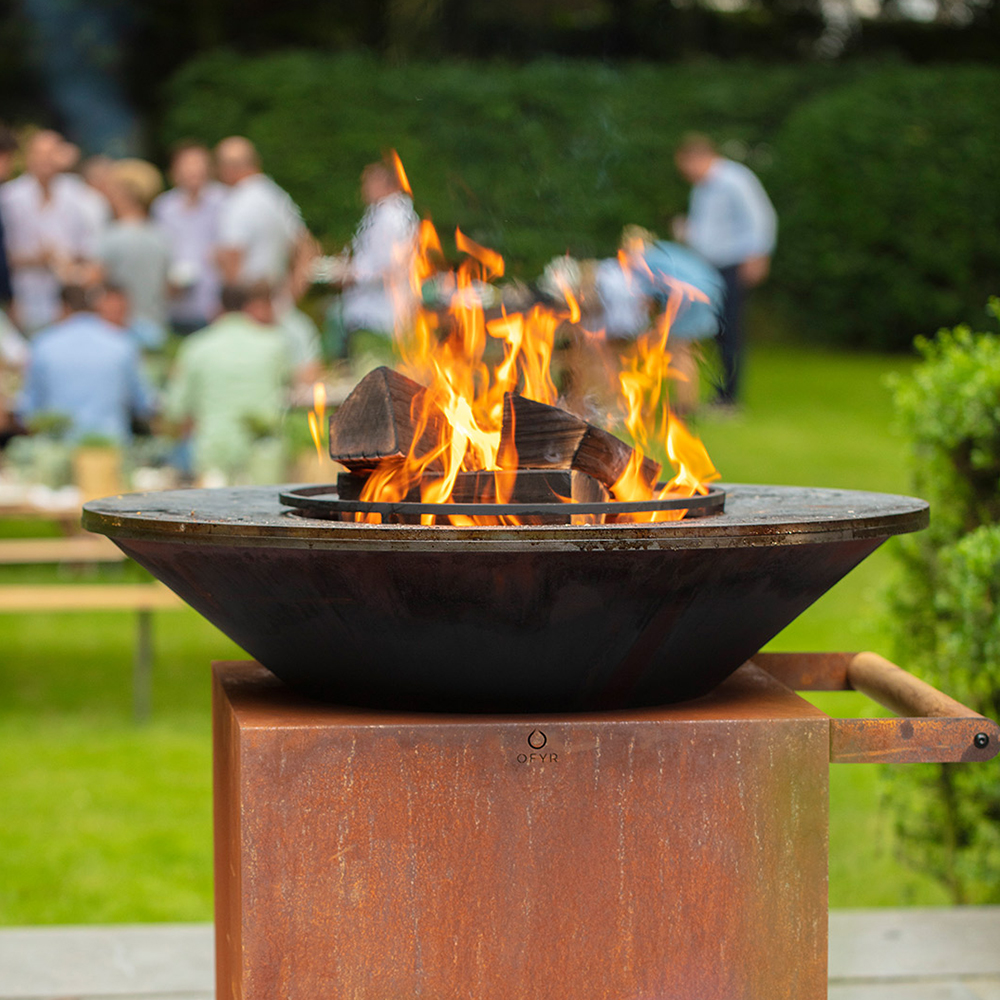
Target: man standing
[(378, 298), (86, 370), (732, 224), (189, 216), (261, 233), (230, 388), (51, 239)]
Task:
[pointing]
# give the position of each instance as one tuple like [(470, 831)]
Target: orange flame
[(316, 417), (458, 419), (645, 389), (492, 261), (397, 165)]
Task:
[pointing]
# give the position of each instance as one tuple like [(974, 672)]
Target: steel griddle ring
[(324, 502)]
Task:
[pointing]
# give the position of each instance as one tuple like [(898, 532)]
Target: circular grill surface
[(754, 516)]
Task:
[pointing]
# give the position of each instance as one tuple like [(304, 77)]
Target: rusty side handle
[(930, 727)]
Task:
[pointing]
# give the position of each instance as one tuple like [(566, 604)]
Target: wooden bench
[(75, 549), (143, 598)]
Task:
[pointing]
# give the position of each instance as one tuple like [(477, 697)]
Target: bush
[(948, 602), (533, 160), (883, 177), (890, 213)]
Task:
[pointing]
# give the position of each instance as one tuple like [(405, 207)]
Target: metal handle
[(930, 726)]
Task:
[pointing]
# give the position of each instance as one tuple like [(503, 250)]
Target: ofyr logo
[(537, 740)]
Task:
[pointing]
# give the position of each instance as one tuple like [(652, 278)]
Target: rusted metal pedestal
[(657, 854)]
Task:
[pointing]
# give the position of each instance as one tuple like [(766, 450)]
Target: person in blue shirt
[(732, 224), (88, 371)]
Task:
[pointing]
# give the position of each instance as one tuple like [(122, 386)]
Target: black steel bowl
[(502, 619)]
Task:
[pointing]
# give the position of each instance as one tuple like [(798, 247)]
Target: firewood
[(378, 420), (606, 457), (548, 437), (545, 437)]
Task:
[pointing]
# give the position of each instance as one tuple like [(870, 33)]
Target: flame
[(491, 261), (316, 417), (458, 419), (397, 165), (645, 389)]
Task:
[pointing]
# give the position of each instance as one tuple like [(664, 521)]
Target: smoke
[(78, 50)]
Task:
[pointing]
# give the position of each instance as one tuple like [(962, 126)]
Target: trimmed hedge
[(890, 204), (889, 222), (947, 602)]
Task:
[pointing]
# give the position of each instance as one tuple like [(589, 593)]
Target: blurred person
[(261, 233), (92, 198), (112, 305), (13, 349), (51, 239), (231, 380), (732, 224), (8, 150), (625, 297), (87, 370), (95, 172), (679, 282), (377, 296), (134, 254), (188, 214), (299, 332)]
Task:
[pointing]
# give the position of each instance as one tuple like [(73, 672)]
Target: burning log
[(379, 420), (547, 437), (386, 410)]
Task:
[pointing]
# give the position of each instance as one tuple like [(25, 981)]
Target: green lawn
[(106, 821)]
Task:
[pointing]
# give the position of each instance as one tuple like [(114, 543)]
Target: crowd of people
[(99, 266)]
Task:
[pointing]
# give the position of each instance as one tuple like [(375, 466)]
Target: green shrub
[(948, 602), (889, 207), (533, 160)]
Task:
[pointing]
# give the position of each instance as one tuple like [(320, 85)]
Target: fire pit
[(656, 829), (505, 618)]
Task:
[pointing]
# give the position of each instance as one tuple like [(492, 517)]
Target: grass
[(105, 821)]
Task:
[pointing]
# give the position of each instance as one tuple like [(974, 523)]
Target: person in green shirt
[(229, 390)]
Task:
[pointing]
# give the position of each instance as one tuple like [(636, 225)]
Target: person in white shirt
[(89, 185), (378, 298), (732, 224), (188, 214), (51, 237), (261, 233)]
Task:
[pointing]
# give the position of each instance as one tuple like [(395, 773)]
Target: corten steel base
[(655, 854)]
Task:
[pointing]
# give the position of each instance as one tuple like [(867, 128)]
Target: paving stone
[(172, 960), (935, 942), (909, 990), (985, 989)]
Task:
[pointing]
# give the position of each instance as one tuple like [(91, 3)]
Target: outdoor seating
[(80, 550)]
